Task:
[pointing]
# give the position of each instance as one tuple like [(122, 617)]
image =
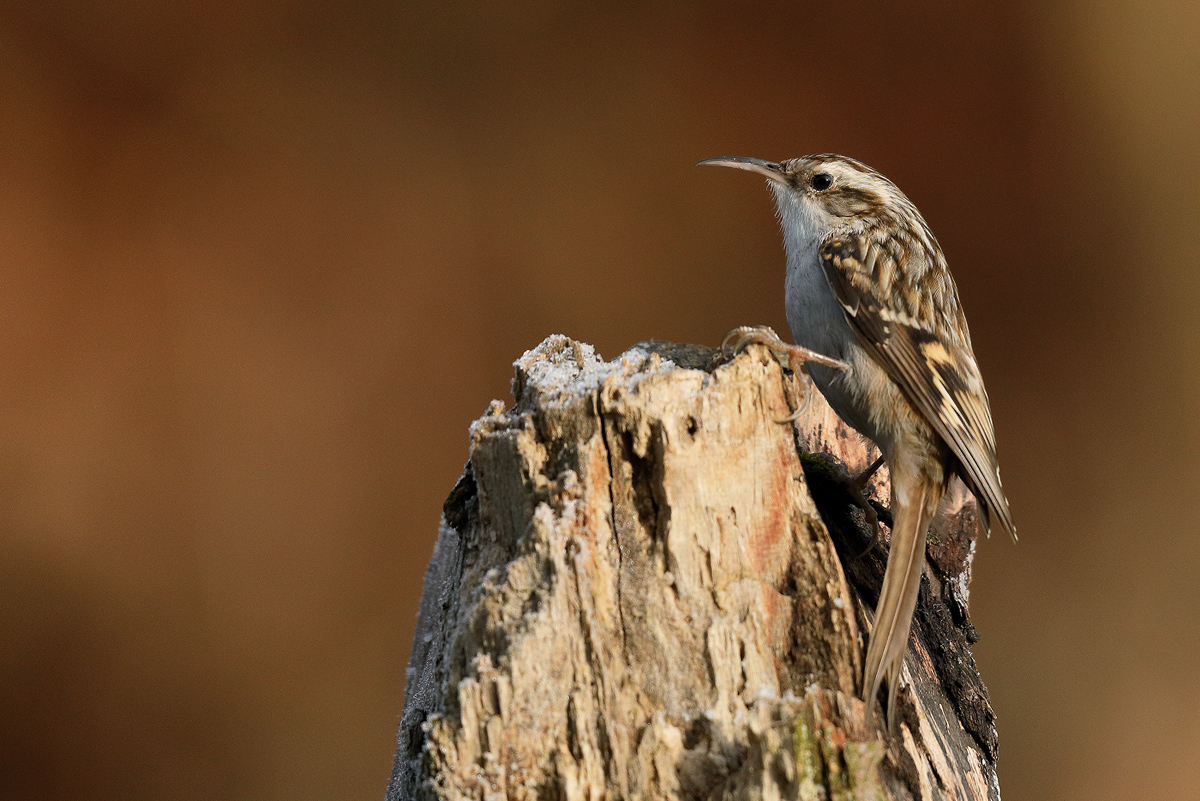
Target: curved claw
[(747, 338), (859, 485), (873, 520), (794, 416), (728, 337), (725, 342), (762, 334)]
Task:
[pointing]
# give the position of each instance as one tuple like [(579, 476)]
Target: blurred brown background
[(261, 263)]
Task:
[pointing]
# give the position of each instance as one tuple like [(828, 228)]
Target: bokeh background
[(262, 262)]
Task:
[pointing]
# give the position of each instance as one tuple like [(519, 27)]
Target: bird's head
[(825, 193)]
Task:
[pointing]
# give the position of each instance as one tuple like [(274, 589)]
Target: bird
[(876, 319)]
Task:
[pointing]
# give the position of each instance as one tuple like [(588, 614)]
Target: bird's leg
[(796, 355), (860, 481), (857, 486), (763, 335)]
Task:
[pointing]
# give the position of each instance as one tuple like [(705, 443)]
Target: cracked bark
[(645, 587)]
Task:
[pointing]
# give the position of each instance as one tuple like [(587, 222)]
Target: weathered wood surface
[(646, 587)]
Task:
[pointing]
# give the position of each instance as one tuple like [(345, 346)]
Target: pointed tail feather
[(898, 597)]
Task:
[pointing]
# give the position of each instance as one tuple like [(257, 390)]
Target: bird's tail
[(912, 512)]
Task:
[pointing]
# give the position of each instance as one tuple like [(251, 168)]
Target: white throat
[(804, 226)]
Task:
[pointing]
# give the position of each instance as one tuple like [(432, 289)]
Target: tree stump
[(646, 586)]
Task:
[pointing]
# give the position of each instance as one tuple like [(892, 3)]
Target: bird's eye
[(821, 181)]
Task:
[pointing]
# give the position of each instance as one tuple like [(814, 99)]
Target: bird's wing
[(895, 315)]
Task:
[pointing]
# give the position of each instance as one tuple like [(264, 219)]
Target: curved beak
[(769, 169)]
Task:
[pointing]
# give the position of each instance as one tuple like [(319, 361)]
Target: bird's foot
[(873, 519), (796, 355), (764, 335), (859, 482), (857, 485)]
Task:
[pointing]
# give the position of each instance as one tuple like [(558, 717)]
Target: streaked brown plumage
[(867, 285)]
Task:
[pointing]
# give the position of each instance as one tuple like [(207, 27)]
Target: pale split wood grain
[(634, 595)]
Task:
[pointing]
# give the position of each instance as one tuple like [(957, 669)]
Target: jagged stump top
[(638, 592)]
